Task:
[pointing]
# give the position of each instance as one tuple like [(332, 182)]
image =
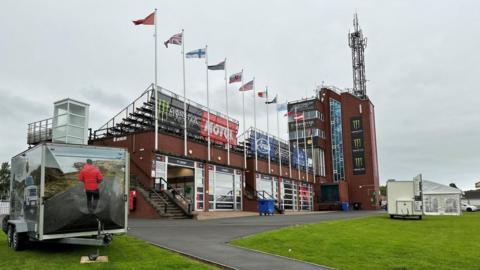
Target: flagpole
[(313, 163), (228, 117), (278, 140), (155, 86), (184, 98), (244, 128), (289, 159), (298, 153), (305, 146), (268, 131), (208, 105), (255, 125), (289, 149)]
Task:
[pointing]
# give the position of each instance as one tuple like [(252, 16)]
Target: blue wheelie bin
[(344, 206), (266, 207)]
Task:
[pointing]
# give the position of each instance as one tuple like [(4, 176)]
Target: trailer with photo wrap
[(50, 200)]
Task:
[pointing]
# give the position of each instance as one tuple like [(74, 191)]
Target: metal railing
[(39, 131), (177, 197), (253, 194), (146, 97), (157, 195), (124, 113)]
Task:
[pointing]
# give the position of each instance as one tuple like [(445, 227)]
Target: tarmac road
[(208, 239)]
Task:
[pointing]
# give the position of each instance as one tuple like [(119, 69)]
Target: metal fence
[(4, 207)]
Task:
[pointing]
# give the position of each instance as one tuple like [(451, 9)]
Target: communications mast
[(358, 43)]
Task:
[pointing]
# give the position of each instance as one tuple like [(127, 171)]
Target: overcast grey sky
[(421, 63)]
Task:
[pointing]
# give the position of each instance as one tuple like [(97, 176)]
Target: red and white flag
[(262, 94), (149, 20), (247, 87), (289, 114), (299, 117), (237, 77), (175, 39)]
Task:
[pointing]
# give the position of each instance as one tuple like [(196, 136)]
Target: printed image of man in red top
[(91, 177)]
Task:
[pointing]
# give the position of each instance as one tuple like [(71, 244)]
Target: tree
[(383, 190), (4, 179)]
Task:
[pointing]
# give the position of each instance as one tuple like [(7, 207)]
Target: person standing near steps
[(91, 177)]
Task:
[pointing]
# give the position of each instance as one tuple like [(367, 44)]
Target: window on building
[(337, 140)]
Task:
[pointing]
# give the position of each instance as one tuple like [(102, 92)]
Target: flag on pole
[(149, 20), (299, 117), (219, 66), (237, 77), (262, 94), (274, 100), (175, 39), (200, 53), (289, 114), (282, 106), (246, 87)]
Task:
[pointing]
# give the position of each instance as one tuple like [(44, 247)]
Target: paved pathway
[(208, 239)]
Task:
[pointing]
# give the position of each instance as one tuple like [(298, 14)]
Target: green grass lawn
[(378, 242), (125, 252)]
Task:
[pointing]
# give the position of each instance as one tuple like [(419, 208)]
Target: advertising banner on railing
[(170, 116), (261, 143), (218, 129), (298, 157), (263, 149)]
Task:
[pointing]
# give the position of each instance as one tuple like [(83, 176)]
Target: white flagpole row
[(229, 134), (155, 86), (208, 104), (184, 98)]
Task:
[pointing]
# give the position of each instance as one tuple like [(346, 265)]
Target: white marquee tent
[(440, 199)]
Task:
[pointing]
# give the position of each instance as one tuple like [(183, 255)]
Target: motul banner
[(219, 132), (171, 117)]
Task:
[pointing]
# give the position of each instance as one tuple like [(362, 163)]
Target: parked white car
[(469, 208)]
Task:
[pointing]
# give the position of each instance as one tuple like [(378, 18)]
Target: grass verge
[(125, 252), (436, 242)]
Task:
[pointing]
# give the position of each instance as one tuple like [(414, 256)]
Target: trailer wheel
[(18, 241), (419, 217), (10, 235), (5, 224)]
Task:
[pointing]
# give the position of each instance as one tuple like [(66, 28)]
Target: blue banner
[(301, 157), (262, 146), (263, 149)]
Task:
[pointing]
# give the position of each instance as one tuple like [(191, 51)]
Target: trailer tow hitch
[(106, 237)]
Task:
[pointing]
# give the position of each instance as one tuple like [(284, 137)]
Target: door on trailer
[(83, 184), (25, 194)]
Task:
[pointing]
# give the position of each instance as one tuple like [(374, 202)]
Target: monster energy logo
[(358, 162), (357, 143), (356, 124), (162, 109)]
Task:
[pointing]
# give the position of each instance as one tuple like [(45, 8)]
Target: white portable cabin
[(405, 198), (439, 199)]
